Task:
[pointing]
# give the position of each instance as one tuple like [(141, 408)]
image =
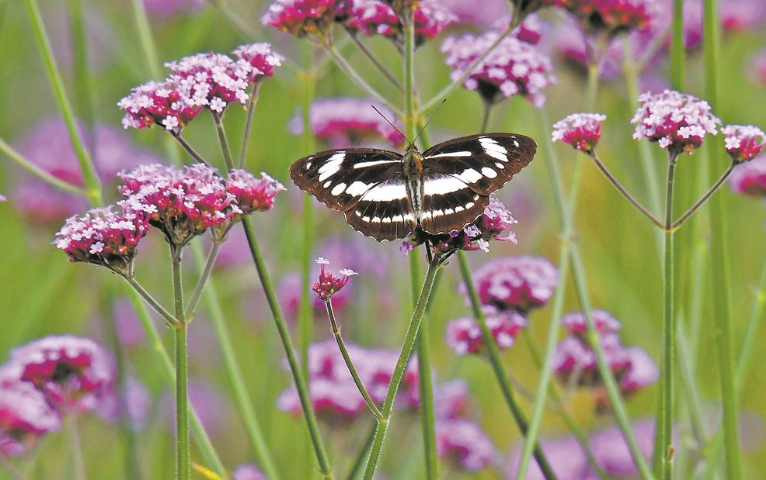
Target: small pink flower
[(513, 68), (248, 472), (372, 17), (103, 237), (304, 17), (743, 142), (464, 334), (74, 374), (581, 130), (212, 80), (465, 443), (25, 416), (485, 16), (641, 372), (328, 284), (260, 57), (451, 399), (739, 15), (253, 194), (614, 16), (677, 121), (757, 67), (157, 103), (574, 322), (750, 178), (516, 283)]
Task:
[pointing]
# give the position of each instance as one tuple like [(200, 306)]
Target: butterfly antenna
[(389, 122), (436, 110)]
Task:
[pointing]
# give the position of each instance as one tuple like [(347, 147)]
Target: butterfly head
[(413, 161)]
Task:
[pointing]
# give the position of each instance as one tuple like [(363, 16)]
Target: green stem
[(83, 85), (486, 110), (401, 364), (249, 124), (496, 361), (223, 140), (362, 455), (704, 197), (183, 453), (148, 298), (189, 149), (70, 420), (89, 174), (374, 60), (191, 308), (234, 19), (718, 249), (39, 172), (677, 48), (335, 330), (664, 436)]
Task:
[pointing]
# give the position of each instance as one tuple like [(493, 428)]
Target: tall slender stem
[(335, 330), (704, 198), (249, 123), (372, 58), (496, 361), (138, 288), (223, 140), (70, 420), (677, 48), (189, 149), (620, 188), (356, 467), (183, 453), (89, 174), (486, 110), (401, 364), (667, 410), (83, 85), (39, 172), (203, 279)]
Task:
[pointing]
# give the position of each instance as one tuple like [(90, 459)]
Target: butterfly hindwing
[(339, 178), (384, 212), (449, 204), (484, 162)]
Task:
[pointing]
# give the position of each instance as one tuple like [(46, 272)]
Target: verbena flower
[(252, 194), (334, 395), (345, 122), (328, 284), (575, 322), (743, 142), (485, 16), (372, 17), (491, 225), (757, 67), (104, 237), (565, 455), (750, 178), (25, 416), (451, 399), (157, 103), (739, 15), (465, 443), (248, 472), (581, 130), (515, 283), (464, 334), (181, 203), (612, 453), (73, 373), (212, 80), (304, 17), (261, 58), (677, 121), (612, 16), (513, 68)]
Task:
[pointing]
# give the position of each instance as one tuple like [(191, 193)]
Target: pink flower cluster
[(495, 221), (513, 68), (304, 17), (743, 142), (515, 283), (25, 416), (613, 16), (757, 67), (464, 334), (373, 17), (677, 121), (205, 80), (335, 396), (465, 443), (104, 237), (581, 130), (575, 360), (252, 194), (328, 284), (750, 178), (346, 121)]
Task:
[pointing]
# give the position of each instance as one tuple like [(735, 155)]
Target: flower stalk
[(704, 198), (73, 434), (183, 451), (191, 308), (249, 123)]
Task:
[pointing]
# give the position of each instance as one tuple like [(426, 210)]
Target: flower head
[(104, 237), (304, 17), (516, 283), (253, 194), (373, 17), (344, 122), (261, 57), (581, 130), (451, 399), (757, 67), (158, 103), (677, 121), (25, 415), (613, 454), (73, 373), (212, 80), (743, 142), (328, 284), (513, 68), (465, 443), (575, 322), (464, 334), (181, 203), (248, 472), (750, 178), (613, 16)]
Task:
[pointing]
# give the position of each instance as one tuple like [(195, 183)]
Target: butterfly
[(386, 195)]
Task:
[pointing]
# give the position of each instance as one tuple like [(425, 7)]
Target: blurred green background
[(41, 293)]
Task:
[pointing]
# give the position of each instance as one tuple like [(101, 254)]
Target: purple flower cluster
[(328, 284), (373, 17), (205, 80), (514, 68), (581, 130), (612, 16), (677, 121), (304, 17), (743, 142), (465, 442), (750, 178), (464, 334), (335, 396), (575, 361), (25, 416)]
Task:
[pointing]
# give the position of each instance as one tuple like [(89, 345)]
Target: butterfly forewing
[(339, 178), (484, 162)]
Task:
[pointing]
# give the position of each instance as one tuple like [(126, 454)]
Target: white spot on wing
[(488, 172), (338, 189), (332, 166), (494, 149), (386, 192), (443, 185), (450, 154), (373, 163), (470, 175), (357, 188)]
